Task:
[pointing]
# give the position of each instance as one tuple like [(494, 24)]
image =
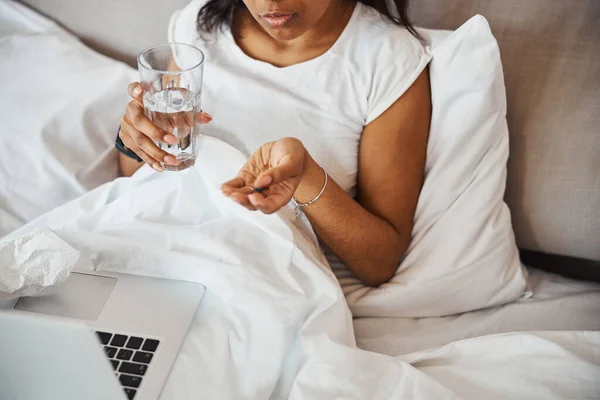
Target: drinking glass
[(171, 78)]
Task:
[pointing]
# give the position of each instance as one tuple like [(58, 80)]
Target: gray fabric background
[(551, 56)]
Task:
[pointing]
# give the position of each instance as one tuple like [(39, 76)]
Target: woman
[(331, 98)]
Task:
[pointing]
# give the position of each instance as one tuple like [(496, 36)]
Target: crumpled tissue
[(32, 262)]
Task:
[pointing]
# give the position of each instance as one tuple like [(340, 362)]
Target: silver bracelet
[(298, 206)]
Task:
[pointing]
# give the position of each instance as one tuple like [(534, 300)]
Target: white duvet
[(274, 323)]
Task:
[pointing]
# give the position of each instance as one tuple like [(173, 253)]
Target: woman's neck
[(258, 44)]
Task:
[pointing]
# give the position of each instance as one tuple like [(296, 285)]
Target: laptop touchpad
[(82, 296)]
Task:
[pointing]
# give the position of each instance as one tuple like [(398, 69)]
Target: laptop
[(99, 335)]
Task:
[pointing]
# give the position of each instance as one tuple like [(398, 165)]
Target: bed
[(559, 303)]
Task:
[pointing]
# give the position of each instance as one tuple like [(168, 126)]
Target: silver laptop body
[(139, 322)]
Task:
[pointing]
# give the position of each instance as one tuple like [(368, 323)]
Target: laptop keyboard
[(129, 356)]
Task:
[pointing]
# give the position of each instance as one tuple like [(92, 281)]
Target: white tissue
[(34, 261)]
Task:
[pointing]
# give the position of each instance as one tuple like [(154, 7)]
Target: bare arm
[(371, 236)]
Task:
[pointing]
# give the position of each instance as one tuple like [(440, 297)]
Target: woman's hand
[(138, 133), (270, 177)]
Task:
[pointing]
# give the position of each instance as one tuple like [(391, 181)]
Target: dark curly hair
[(218, 13)]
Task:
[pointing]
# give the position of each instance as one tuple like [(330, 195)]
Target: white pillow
[(61, 104), (463, 254)]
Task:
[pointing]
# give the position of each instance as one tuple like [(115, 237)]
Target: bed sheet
[(558, 304)]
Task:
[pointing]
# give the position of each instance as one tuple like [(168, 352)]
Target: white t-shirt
[(325, 102)]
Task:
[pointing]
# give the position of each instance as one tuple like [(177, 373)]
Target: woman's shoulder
[(373, 36), (382, 56)]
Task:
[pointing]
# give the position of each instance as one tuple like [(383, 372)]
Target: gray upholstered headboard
[(117, 28), (551, 56)]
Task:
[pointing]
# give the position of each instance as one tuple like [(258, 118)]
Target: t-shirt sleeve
[(182, 26), (397, 63)]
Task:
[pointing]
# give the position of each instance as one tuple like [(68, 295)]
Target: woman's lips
[(277, 20)]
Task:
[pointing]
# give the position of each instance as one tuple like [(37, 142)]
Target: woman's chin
[(284, 34)]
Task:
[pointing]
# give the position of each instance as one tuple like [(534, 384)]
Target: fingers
[(142, 154), (231, 186), (135, 90), (203, 118), (137, 117), (240, 196), (242, 199), (149, 160), (238, 190), (125, 136), (290, 166), (143, 146), (267, 204)]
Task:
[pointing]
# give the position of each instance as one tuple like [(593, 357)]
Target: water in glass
[(175, 110)]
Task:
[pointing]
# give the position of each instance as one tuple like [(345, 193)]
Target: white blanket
[(274, 322)]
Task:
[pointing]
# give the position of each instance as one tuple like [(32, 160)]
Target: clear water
[(175, 111)]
